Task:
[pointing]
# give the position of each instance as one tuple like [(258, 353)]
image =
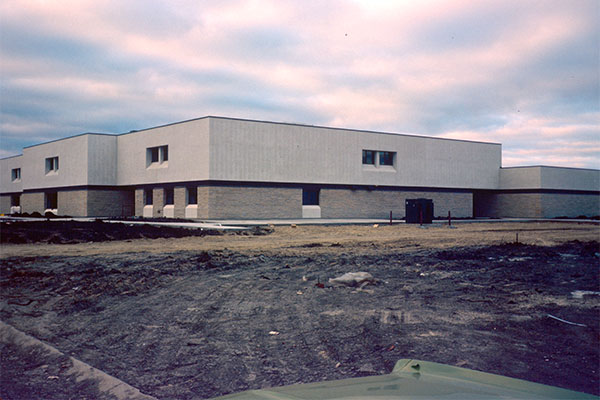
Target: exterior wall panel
[(7, 185), (110, 203), (179, 201), (509, 205), (102, 160), (377, 203), (5, 201), (72, 203), (270, 152), (188, 144), (203, 202), (241, 202), (158, 200), (570, 205), (139, 202), (72, 170), (32, 202)]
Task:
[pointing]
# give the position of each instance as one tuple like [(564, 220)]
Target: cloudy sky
[(524, 73)]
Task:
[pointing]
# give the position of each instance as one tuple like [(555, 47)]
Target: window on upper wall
[(310, 197), (169, 196), (156, 156), (148, 201), (51, 200), (386, 158), (192, 195), (15, 174), (51, 164), (368, 157), (378, 159)]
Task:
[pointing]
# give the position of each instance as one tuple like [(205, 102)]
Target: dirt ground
[(197, 317)]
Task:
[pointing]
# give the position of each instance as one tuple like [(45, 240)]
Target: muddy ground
[(192, 318)]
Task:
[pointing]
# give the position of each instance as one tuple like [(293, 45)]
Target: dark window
[(52, 200), (192, 195), (15, 200), (154, 154), (386, 158), (169, 196), (159, 154), (51, 164), (368, 157), (310, 197), (16, 174), (148, 197)]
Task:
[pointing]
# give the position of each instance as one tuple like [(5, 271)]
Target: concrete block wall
[(110, 203), (5, 201), (139, 202), (515, 205), (232, 202), (537, 204), (203, 196), (570, 205), (72, 202), (32, 202), (179, 201), (377, 203), (158, 200)]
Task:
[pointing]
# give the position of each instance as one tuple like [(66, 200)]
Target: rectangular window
[(51, 200), (51, 164), (169, 196), (148, 197), (15, 200), (16, 174), (310, 197), (386, 158), (154, 154), (157, 155), (192, 195), (368, 157)]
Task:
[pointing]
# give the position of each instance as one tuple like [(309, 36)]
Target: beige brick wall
[(139, 202), (180, 202), (5, 204), (570, 205), (243, 202), (254, 202), (203, 201), (110, 203), (72, 202), (515, 205), (538, 205), (32, 202), (158, 200), (377, 203)]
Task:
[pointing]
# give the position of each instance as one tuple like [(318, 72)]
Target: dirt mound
[(70, 232)]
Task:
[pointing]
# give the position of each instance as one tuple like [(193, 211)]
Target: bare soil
[(198, 317)]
